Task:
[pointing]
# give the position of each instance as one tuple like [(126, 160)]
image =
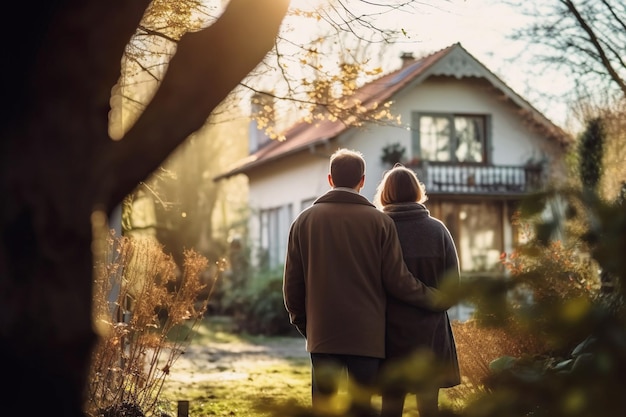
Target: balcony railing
[(454, 178)]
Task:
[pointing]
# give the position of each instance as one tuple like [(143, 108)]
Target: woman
[(430, 254)]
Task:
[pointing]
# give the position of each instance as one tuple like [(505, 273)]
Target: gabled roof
[(452, 61)]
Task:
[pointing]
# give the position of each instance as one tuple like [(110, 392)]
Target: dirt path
[(221, 361)]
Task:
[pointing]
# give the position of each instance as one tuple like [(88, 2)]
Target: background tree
[(583, 38), (590, 154), (189, 209), (61, 173), (613, 154), (308, 77), (584, 41)]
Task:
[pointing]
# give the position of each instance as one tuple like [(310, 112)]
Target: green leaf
[(502, 363)]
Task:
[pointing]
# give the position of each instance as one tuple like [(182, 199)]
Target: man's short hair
[(347, 167)]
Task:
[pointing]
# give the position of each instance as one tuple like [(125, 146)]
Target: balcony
[(454, 178)]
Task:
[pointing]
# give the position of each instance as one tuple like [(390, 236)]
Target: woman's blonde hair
[(399, 185)]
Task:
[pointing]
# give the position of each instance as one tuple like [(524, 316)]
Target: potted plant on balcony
[(392, 154)]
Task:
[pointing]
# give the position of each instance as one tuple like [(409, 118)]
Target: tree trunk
[(58, 166)]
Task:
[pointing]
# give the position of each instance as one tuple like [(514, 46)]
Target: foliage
[(590, 153), (477, 347), (252, 296), (141, 301), (332, 95), (188, 208), (560, 311), (586, 329), (234, 278), (258, 306), (392, 154), (611, 119), (548, 273), (314, 76), (225, 374)]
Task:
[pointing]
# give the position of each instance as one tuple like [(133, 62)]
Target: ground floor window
[(478, 232), (477, 229), (275, 224), (307, 203)]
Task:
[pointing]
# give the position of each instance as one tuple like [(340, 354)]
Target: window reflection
[(445, 138), (477, 232), (275, 224), (469, 133), (435, 138)]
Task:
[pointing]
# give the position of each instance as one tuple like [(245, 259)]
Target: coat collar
[(402, 210), (343, 195)]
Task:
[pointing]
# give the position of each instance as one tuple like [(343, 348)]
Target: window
[(477, 230), (306, 203), (450, 137), (275, 224)]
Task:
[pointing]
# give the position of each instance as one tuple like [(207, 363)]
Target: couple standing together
[(360, 285)]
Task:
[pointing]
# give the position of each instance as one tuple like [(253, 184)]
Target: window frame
[(274, 225), (463, 228), (416, 148)]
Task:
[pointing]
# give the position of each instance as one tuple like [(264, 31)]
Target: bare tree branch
[(207, 65), (593, 39)]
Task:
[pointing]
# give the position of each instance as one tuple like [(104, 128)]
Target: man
[(343, 257)]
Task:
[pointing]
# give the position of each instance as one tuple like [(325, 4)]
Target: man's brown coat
[(343, 258)]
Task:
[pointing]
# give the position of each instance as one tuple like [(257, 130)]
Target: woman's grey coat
[(430, 253), (343, 258)]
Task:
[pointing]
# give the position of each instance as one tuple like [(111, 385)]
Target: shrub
[(260, 306), (584, 323), (145, 308), (478, 346)]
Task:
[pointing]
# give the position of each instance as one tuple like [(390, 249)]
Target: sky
[(482, 27)]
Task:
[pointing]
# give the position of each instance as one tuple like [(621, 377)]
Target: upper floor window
[(450, 137)]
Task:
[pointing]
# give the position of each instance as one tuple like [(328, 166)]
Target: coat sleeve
[(294, 294), (399, 281)]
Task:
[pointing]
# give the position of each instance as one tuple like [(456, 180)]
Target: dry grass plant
[(479, 345), (145, 309)]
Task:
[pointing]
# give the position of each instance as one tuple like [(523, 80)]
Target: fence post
[(183, 408)]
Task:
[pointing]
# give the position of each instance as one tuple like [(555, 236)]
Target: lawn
[(225, 374)]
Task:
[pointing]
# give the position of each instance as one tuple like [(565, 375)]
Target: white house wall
[(307, 179), (369, 140), (513, 143)]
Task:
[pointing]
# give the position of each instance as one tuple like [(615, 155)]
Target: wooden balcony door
[(477, 229)]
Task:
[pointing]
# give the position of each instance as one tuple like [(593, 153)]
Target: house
[(476, 144)]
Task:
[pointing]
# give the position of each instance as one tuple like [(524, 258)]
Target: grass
[(249, 396), (234, 375), (224, 373), (221, 372)]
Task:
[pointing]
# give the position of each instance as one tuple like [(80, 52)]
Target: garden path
[(231, 360)]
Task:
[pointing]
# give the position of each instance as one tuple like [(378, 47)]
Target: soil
[(232, 360)]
